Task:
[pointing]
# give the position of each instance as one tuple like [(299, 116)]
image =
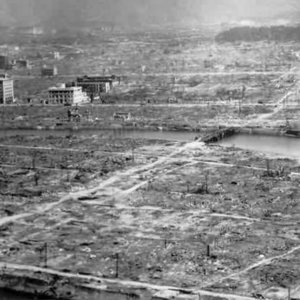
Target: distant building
[(49, 71), (30, 30), (172, 100), (37, 30), (66, 95), (4, 62), (23, 63), (120, 116), (56, 55), (97, 84), (6, 89)]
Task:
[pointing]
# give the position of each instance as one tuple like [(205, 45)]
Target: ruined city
[(149, 150)]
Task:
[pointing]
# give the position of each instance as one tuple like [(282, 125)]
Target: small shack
[(121, 116)]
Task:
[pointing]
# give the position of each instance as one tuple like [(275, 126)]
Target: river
[(281, 145), (5, 295), (278, 145)]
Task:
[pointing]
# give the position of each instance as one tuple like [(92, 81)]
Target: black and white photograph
[(149, 149)]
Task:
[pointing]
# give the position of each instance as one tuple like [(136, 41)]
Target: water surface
[(279, 145), (5, 295)]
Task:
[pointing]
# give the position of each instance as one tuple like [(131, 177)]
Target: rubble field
[(170, 117), (179, 214), (188, 66)]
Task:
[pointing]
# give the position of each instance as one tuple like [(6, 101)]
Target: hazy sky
[(74, 12)]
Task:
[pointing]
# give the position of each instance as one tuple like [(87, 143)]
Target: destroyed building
[(94, 85)]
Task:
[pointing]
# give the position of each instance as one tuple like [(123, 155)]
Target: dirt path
[(56, 149), (7, 220), (218, 164), (178, 73), (276, 110), (237, 217), (37, 168), (263, 262), (42, 148)]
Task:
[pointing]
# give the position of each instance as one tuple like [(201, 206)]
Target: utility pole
[(208, 250), (206, 182), (33, 161), (46, 255), (132, 152), (117, 265)]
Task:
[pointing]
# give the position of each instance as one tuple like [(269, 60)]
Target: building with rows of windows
[(66, 95), (6, 89), (97, 84)]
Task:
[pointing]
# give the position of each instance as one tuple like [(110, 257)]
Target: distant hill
[(252, 34)]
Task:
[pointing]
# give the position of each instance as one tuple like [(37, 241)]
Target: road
[(37, 148), (178, 74), (260, 263), (233, 103)]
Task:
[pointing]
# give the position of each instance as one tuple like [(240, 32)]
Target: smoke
[(65, 13), (76, 13)]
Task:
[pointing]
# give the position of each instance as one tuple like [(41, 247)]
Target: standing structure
[(66, 95), (49, 71), (4, 62), (56, 55), (6, 89), (23, 63), (94, 85)]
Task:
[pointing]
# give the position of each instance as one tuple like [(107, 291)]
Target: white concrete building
[(66, 95), (6, 89), (56, 55)]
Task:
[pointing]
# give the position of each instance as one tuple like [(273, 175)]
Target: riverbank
[(199, 119), (209, 133), (52, 284), (269, 131), (149, 117)]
